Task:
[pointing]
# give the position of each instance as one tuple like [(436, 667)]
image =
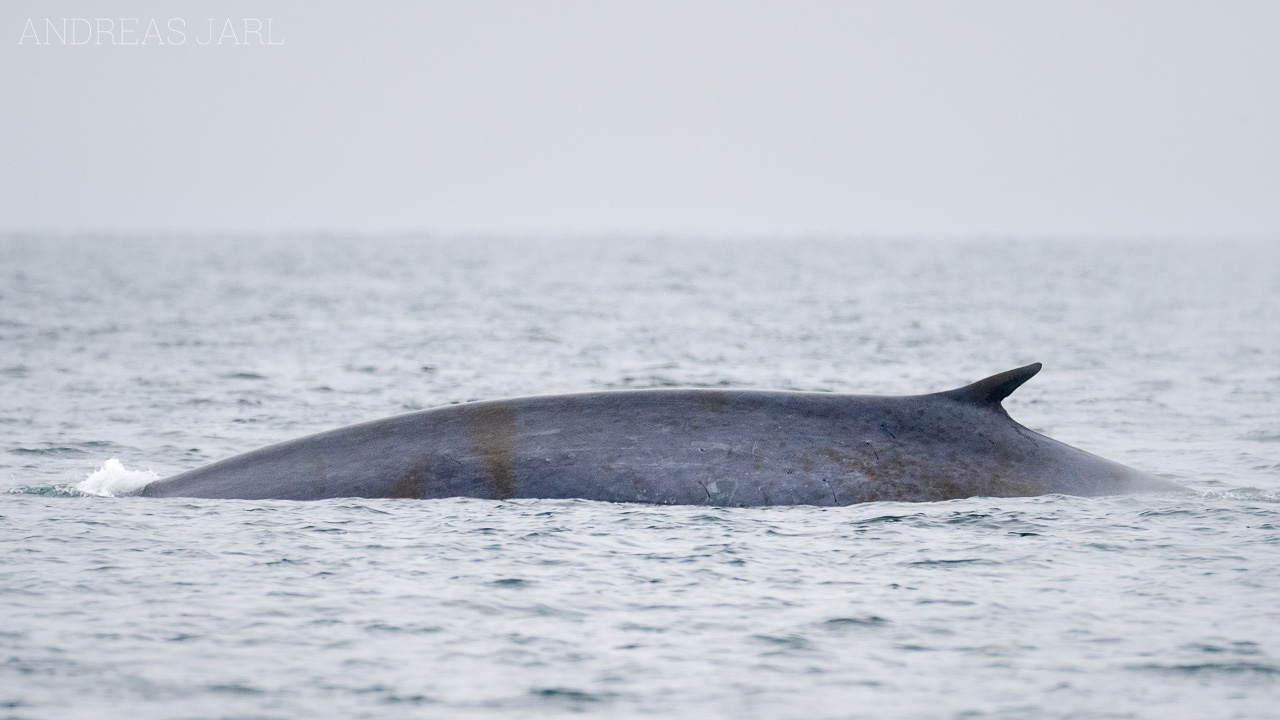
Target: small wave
[(113, 479), (571, 694), (1247, 494), (868, 621), (1235, 668), (46, 490), (242, 376), (1262, 436), (51, 451), (83, 449)]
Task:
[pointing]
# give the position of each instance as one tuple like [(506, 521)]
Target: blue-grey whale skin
[(680, 447)]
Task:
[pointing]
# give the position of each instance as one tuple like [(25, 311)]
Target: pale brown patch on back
[(413, 484), (714, 400), (319, 477), (492, 427)]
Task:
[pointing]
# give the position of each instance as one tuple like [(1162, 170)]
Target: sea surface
[(123, 359)]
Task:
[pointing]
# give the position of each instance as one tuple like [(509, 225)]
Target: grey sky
[(903, 118)]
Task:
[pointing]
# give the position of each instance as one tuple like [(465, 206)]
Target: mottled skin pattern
[(686, 447)]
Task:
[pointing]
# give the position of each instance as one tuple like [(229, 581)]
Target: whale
[(695, 446)]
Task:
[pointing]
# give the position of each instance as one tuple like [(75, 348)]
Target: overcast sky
[(900, 118)]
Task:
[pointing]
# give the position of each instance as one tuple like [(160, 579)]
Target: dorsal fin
[(992, 390)]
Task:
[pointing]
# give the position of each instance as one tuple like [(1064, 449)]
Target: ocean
[(123, 359)]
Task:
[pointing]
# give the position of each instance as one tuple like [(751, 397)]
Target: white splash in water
[(113, 479)]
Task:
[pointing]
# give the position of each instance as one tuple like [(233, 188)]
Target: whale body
[(681, 446)]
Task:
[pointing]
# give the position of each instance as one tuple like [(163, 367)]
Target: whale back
[(690, 446)]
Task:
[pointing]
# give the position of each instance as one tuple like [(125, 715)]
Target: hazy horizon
[(915, 119)]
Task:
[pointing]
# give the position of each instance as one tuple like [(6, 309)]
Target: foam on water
[(113, 479)]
